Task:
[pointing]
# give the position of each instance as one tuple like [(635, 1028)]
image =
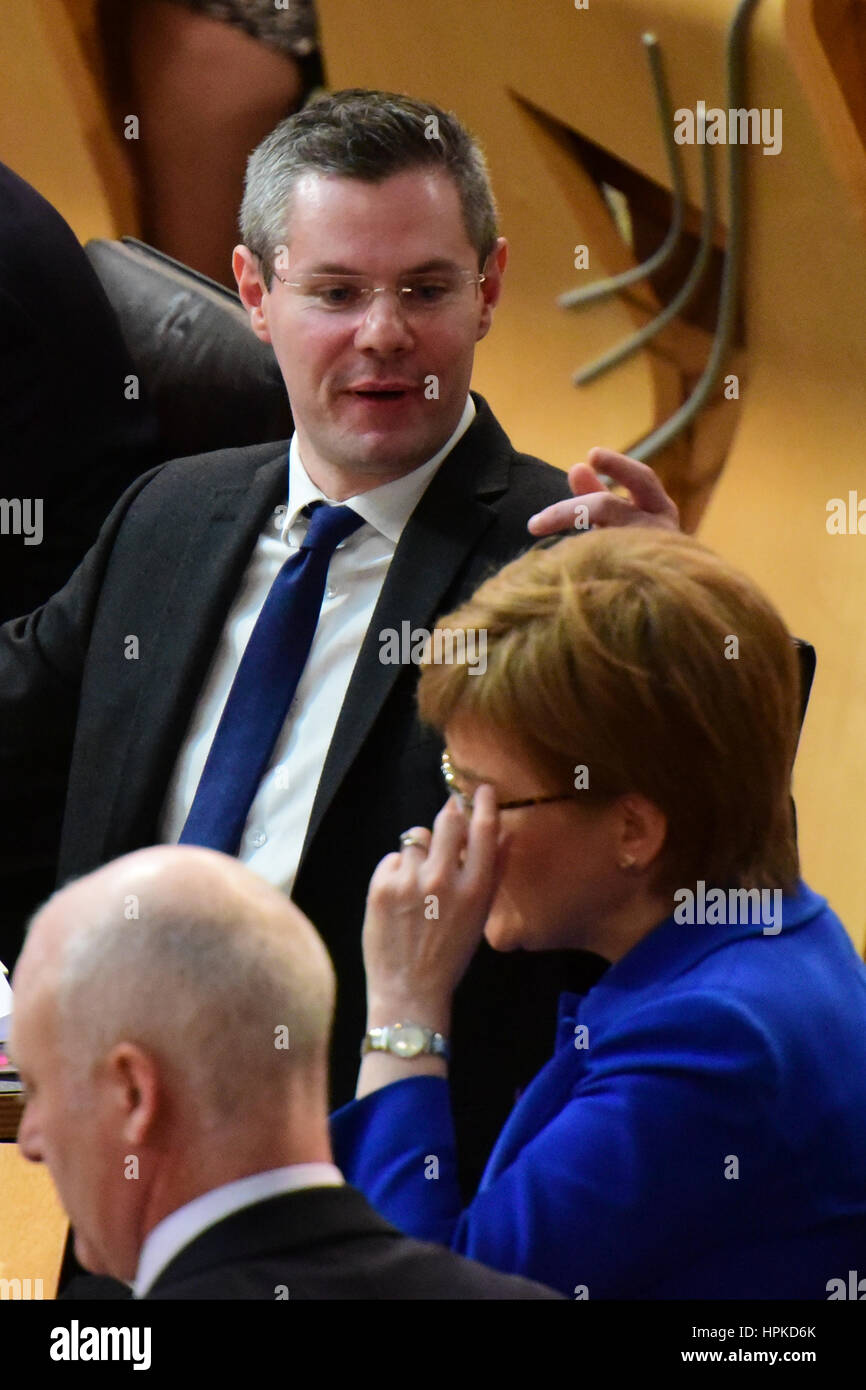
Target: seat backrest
[(807, 659), (211, 382)]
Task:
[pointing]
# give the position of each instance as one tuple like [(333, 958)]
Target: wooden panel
[(54, 125), (33, 1225), (799, 440), (486, 61)]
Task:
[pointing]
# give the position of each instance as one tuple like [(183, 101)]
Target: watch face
[(407, 1041)]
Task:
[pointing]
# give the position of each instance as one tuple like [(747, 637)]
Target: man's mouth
[(392, 391)]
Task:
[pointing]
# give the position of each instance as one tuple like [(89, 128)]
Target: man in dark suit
[(113, 693), (75, 428), (171, 1026)]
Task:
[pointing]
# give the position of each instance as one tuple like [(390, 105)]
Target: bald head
[(171, 1025), (192, 956)]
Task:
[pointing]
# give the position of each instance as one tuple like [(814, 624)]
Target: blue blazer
[(700, 1131)]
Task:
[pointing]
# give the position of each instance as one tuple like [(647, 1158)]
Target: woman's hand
[(426, 910)]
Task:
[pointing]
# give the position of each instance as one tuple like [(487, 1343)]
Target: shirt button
[(331, 591), (258, 838)]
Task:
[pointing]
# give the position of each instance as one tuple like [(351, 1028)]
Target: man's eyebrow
[(331, 268), (434, 263), (423, 267)]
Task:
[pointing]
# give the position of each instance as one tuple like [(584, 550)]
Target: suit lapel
[(182, 642), (440, 535)]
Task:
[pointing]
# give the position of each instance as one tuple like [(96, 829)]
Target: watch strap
[(406, 1040)]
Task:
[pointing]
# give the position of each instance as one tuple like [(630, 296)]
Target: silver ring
[(407, 839)]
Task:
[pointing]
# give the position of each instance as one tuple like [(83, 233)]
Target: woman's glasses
[(466, 799)]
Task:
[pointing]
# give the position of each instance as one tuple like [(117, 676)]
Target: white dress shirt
[(181, 1227), (276, 827)]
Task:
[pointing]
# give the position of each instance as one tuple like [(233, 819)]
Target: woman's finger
[(481, 851), (416, 841), (450, 830)]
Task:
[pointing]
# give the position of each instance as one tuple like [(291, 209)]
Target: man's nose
[(384, 327), (28, 1139)]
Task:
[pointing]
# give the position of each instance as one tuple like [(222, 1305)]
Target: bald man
[(171, 1027)]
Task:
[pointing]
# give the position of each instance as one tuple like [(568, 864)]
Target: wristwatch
[(406, 1040)]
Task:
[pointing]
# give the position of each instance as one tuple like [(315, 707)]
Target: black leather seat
[(209, 379)]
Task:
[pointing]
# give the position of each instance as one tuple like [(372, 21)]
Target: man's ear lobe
[(251, 289)]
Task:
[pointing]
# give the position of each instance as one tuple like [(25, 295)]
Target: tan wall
[(801, 438), (54, 125)]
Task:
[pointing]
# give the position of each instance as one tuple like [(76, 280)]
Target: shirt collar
[(387, 508), (182, 1226)]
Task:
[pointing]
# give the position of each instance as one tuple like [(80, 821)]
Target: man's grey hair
[(229, 992), (364, 135)]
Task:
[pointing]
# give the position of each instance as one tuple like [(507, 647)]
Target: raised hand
[(595, 505)]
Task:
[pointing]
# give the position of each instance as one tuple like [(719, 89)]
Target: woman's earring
[(627, 861)]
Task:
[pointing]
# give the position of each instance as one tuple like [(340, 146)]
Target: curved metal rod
[(651, 330), (659, 439), (603, 289)]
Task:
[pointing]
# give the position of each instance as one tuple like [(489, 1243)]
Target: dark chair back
[(807, 659), (210, 381)]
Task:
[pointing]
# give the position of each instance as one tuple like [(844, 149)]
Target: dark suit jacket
[(166, 567), (68, 434), (325, 1242)]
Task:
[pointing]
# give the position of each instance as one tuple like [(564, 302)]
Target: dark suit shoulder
[(163, 507), (414, 1269), (538, 482), (377, 1269), (220, 468), (327, 1243), (500, 469)]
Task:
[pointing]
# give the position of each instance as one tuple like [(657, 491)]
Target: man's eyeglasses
[(418, 295), (466, 799)]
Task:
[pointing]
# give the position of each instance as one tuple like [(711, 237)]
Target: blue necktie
[(264, 686)]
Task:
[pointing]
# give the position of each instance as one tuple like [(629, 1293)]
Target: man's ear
[(492, 288), (251, 289), (132, 1079)]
